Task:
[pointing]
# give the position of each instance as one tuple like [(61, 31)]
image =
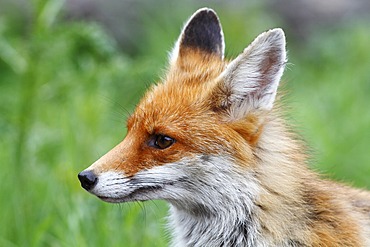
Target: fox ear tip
[(202, 32), (204, 11), (277, 34), (278, 31)]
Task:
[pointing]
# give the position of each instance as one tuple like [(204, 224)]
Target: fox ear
[(251, 80), (202, 32)]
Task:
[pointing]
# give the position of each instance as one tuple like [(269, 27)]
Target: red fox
[(210, 140)]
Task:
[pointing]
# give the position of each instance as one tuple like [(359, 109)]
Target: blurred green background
[(71, 71)]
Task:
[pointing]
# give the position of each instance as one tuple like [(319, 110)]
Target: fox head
[(195, 135)]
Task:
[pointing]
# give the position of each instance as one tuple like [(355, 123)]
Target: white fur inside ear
[(252, 79)]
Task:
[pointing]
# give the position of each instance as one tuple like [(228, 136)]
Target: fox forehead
[(184, 94)]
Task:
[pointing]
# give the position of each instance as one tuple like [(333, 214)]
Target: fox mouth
[(115, 187), (139, 194)]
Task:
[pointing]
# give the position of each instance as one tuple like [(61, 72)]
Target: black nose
[(88, 179)]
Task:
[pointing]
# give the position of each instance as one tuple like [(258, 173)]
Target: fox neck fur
[(268, 206)]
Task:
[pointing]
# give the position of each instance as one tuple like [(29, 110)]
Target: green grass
[(330, 82), (66, 87)]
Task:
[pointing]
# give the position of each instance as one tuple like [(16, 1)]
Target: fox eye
[(161, 141)]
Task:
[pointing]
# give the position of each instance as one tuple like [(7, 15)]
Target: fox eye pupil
[(162, 141)]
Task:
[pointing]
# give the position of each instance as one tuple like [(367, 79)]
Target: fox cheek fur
[(209, 139)]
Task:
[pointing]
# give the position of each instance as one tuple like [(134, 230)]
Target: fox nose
[(88, 179)]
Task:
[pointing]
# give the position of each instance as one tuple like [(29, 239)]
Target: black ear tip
[(205, 11), (204, 32), (205, 15)]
